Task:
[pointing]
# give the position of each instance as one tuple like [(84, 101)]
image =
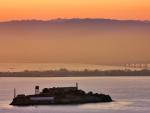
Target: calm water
[(132, 94)]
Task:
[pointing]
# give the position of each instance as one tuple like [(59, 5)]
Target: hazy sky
[(80, 44), (47, 9), (103, 43)]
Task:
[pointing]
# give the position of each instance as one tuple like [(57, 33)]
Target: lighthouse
[(37, 91)]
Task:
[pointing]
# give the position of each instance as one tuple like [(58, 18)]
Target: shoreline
[(67, 76), (85, 73)]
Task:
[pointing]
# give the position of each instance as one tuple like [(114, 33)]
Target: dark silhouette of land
[(59, 96), (68, 73), (76, 25)]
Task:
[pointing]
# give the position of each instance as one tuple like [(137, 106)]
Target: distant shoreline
[(84, 73)]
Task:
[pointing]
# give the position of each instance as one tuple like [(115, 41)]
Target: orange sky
[(48, 9)]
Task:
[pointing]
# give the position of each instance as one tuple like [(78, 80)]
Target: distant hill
[(71, 27), (98, 23), (77, 20)]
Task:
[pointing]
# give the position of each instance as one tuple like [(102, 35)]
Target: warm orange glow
[(68, 43), (47, 9)]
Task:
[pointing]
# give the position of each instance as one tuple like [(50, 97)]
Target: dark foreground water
[(131, 94)]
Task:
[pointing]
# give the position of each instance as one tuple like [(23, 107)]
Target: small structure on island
[(59, 95), (14, 92), (77, 85), (37, 90)]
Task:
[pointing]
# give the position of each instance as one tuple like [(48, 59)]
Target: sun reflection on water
[(112, 105)]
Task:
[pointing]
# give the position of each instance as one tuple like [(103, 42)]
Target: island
[(59, 96)]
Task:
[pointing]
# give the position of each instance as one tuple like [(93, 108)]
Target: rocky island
[(59, 96)]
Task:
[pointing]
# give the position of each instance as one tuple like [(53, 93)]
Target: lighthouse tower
[(37, 91)]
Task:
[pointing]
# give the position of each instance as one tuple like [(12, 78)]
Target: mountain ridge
[(61, 20)]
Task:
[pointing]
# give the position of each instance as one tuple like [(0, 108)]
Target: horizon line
[(53, 19)]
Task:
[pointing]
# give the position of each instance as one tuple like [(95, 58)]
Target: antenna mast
[(14, 92)]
